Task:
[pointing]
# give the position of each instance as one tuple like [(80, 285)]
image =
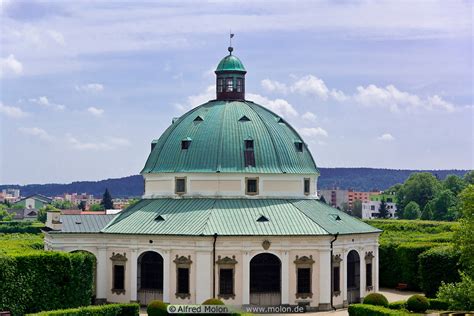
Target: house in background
[(35, 201), (371, 208)]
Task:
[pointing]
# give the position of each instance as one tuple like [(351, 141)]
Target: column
[(133, 275), (203, 270), (102, 275), (325, 280), (362, 274), (376, 271), (166, 277), (285, 278), (344, 278), (246, 278)]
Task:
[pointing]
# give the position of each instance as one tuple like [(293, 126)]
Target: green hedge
[(372, 310), (397, 305), (47, 280), (102, 310), (21, 227), (438, 304), (436, 265)]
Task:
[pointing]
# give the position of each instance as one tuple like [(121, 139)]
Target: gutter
[(331, 271), (214, 266)]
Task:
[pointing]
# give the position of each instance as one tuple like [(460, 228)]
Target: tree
[(107, 200), (82, 206), (419, 187), (345, 207), (357, 208), (42, 212), (469, 177), (442, 202), (412, 211), (4, 215), (96, 207), (427, 213), (383, 211), (63, 204), (464, 237), (454, 183)]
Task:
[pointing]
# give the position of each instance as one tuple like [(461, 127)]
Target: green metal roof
[(230, 63), (234, 217), (218, 142), (89, 223)]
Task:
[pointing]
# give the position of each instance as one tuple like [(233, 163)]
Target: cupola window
[(299, 146), (229, 85), (220, 85), (239, 85), (251, 186), (185, 143), (180, 185), (249, 144), (307, 186), (249, 154)]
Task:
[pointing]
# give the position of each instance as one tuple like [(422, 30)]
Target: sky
[(85, 86)]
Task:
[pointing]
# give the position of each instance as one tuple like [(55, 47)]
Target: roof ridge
[(219, 151), (304, 213), (124, 214), (211, 209), (269, 133)]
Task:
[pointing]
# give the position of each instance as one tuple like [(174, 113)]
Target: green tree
[(427, 213), (419, 187), (357, 208), (442, 202), (96, 207), (464, 237), (383, 211), (63, 204), (42, 212), (412, 211), (4, 215), (454, 183), (345, 207), (107, 200), (82, 206), (469, 177)]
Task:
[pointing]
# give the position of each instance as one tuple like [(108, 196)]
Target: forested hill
[(361, 179)]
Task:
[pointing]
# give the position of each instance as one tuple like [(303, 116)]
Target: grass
[(11, 244)]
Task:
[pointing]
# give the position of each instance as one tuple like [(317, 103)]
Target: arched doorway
[(94, 272), (353, 277), (149, 277), (265, 280)]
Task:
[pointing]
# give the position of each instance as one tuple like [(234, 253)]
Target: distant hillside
[(361, 179)]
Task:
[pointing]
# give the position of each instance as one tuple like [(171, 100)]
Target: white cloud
[(12, 111), (90, 87), (36, 132), (10, 66), (274, 86), (95, 111), (313, 132), (311, 85), (56, 36), (395, 100), (45, 102), (279, 106), (387, 137), (309, 116), (109, 143), (338, 95)]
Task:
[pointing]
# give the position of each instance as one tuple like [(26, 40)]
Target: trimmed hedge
[(418, 303), (101, 310), (398, 305), (376, 299), (21, 227), (157, 308), (47, 280), (437, 304), (436, 265), (372, 310), (213, 301)]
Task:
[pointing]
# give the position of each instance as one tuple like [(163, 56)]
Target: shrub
[(157, 308), (398, 305), (438, 304), (102, 310), (371, 310), (43, 280), (417, 303), (436, 265), (21, 227), (213, 301), (376, 299), (460, 295)]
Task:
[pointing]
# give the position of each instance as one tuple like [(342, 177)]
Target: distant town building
[(10, 195), (23, 214), (335, 197), (35, 201), (371, 208), (364, 197)]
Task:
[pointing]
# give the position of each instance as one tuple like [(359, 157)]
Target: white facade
[(371, 209)]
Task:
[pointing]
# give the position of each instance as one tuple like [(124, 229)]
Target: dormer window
[(262, 219), (249, 155), (159, 218), (307, 186), (180, 185), (185, 143), (280, 120), (229, 86), (244, 119), (249, 144), (251, 186), (299, 146), (198, 119)]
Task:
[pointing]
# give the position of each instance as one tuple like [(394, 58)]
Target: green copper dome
[(230, 63), (212, 138)]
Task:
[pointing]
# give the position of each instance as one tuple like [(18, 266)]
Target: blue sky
[(86, 85)]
